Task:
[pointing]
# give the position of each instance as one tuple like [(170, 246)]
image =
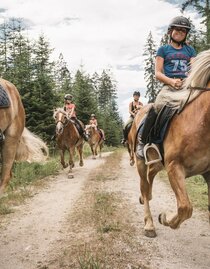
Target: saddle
[(153, 129), (4, 99)]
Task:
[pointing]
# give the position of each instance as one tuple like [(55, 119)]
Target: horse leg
[(9, 149), (131, 154), (71, 162), (207, 178), (93, 151), (80, 151), (62, 153), (184, 208), (146, 190)]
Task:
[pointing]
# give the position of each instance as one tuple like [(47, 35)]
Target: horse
[(186, 149), (19, 143), (68, 138), (95, 140)]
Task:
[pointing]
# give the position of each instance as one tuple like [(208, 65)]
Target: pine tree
[(203, 8), (62, 76), (84, 96), (42, 98), (149, 70)]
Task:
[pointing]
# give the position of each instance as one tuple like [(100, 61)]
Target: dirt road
[(38, 229)]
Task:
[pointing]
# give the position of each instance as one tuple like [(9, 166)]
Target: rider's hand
[(176, 83)]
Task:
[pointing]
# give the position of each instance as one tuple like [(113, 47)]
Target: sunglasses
[(180, 29)]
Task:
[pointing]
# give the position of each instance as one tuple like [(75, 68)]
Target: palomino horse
[(95, 140), (68, 138), (19, 143), (186, 149)]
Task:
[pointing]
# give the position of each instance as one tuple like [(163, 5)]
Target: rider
[(172, 62), (94, 121), (134, 107), (70, 108)]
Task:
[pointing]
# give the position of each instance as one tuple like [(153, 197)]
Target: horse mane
[(199, 75), (59, 109)]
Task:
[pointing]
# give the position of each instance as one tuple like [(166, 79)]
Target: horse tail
[(31, 148)]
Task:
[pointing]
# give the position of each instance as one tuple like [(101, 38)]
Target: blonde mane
[(199, 75)]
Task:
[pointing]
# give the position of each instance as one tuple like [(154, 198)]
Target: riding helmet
[(180, 21), (68, 97), (92, 115)]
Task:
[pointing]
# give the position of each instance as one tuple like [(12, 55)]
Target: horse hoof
[(141, 201), (132, 163), (162, 219), (70, 176), (150, 233), (81, 164)]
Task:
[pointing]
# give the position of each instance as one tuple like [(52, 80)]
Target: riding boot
[(2, 136), (85, 136), (123, 141), (139, 148)]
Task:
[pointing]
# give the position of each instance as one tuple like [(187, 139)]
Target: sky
[(108, 34)]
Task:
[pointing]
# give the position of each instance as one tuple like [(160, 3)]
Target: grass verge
[(100, 233), (196, 188)]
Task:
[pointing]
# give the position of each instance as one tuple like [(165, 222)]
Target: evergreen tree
[(203, 8), (149, 70), (42, 98), (62, 76), (106, 90), (84, 96)]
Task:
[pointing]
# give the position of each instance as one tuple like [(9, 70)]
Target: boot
[(140, 148), (2, 136), (85, 136)]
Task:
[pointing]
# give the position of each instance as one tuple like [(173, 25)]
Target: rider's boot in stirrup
[(139, 148)]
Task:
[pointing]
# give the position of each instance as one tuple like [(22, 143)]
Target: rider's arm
[(159, 74), (130, 110), (72, 111)]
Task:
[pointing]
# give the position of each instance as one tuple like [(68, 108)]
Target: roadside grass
[(196, 188), (26, 176), (100, 233)]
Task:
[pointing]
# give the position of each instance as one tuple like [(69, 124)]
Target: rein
[(199, 88)]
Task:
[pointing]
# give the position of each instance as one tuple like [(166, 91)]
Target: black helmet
[(68, 97), (180, 21), (136, 93)]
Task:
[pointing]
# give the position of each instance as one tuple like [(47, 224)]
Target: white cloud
[(98, 34)]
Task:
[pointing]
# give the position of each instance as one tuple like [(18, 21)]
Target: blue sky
[(99, 34)]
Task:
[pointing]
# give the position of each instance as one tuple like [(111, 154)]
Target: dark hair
[(136, 93)]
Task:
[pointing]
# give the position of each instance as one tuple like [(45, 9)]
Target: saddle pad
[(4, 99)]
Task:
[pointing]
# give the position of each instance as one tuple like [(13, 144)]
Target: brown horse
[(19, 143), (95, 140), (67, 138), (186, 149)]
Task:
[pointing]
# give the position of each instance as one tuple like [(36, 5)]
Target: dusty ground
[(39, 232)]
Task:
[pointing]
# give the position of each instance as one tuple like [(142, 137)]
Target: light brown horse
[(19, 143), (68, 138), (95, 140), (186, 150)]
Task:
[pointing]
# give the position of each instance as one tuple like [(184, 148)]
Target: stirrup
[(148, 146)]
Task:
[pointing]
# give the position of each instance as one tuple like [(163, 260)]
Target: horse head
[(61, 119)]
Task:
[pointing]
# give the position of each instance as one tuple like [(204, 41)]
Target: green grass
[(196, 188)]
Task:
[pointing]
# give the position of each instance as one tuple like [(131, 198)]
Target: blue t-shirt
[(176, 61)]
